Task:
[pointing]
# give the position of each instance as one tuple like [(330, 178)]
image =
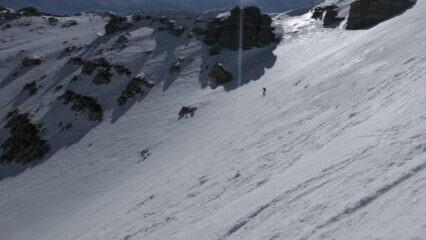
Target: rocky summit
[(257, 29)]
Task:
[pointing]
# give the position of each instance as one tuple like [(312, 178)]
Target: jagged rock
[(25, 144), (2, 8), (219, 74), (117, 24), (328, 14), (82, 103), (103, 77), (257, 29), (367, 13), (31, 88), (215, 51), (133, 88), (185, 111), (27, 62)]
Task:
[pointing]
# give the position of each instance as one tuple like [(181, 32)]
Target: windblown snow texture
[(335, 150)]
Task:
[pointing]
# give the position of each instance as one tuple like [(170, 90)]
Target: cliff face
[(257, 29), (367, 13)]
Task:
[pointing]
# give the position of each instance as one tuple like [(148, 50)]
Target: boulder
[(27, 62), (185, 111), (257, 29), (367, 13), (220, 75)]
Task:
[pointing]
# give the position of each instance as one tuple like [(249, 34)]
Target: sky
[(123, 6)]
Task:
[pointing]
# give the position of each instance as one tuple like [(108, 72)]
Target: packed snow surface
[(335, 150)]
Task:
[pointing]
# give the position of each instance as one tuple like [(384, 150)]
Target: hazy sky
[(73, 6)]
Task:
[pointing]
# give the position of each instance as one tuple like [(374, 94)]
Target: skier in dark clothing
[(264, 91)]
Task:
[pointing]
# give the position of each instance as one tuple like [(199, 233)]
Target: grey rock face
[(367, 13), (117, 24), (257, 29), (220, 75)]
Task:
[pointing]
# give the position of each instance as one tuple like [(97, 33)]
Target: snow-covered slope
[(335, 150)]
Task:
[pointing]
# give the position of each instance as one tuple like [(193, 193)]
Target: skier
[(264, 91)]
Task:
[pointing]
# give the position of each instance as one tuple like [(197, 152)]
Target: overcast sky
[(73, 6)]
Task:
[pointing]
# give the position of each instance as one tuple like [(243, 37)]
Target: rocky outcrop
[(27, 62), (328, 14), (367, 13), (117, 24), (25, 144), (220, 75), (257, 29), (133, 88), (103, 77), (83, 103), (170, 26)]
